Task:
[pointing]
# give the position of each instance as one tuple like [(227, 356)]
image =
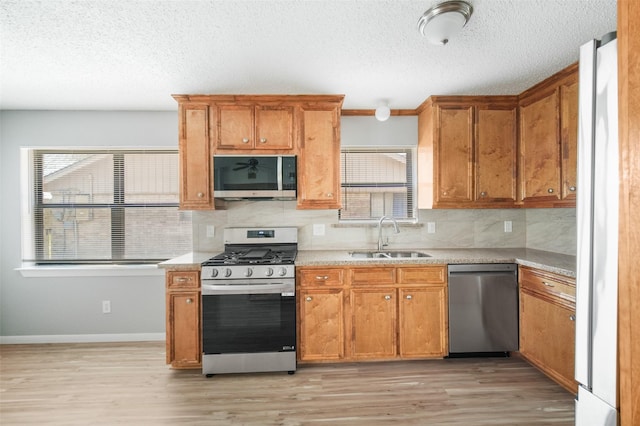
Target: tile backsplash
[(543, 229)]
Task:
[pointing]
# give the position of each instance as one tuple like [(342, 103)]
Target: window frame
[(117, 207), (411, 182)]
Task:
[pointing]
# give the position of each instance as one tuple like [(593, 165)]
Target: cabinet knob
[(200, 194), (309, 299), (572, 188), (550, 190), (483, 194), (387, 297), (572, 317), (182, 280), (189, 301), (263, 140), (245, 140), (548, 284), (329, 194), (322, 277), (409, 297)]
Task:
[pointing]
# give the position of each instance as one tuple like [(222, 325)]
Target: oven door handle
[(285, 289)]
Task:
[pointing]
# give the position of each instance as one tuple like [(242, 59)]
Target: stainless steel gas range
[(249, 304)]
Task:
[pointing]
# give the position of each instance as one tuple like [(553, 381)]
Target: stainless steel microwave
[(254, 176)]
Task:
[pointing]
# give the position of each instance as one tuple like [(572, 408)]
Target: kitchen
[(32, 296)]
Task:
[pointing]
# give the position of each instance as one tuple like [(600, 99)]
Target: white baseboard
[(82, 338)]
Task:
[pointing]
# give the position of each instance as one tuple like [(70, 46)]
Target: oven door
[(249, 317)]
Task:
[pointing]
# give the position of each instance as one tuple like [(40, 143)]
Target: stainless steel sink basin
[(386, 254)]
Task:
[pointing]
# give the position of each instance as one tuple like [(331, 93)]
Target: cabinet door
[(235, 127), (569, 137), (423, 322), (195, 158), (547, 337), (319, 160), (539, 149), (454, 162), (274, 127), (373, 322), (495, 147), (321, 329), (183, 329)]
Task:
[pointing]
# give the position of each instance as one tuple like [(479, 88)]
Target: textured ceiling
[(132, 55)]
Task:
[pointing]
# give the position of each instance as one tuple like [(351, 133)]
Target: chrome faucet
[(395, 230)]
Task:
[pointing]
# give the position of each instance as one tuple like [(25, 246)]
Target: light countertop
[(548, 261)]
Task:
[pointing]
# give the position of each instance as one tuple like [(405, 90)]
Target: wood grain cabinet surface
[(548, 141), (467, 152), (372, 313), (183, 347), (547, 324), (255, 127)]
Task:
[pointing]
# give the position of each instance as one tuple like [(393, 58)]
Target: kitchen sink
[(386, 254)]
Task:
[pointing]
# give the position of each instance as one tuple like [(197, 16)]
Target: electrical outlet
[(508, 226), (211, 231), (431, 227), (106, 306)]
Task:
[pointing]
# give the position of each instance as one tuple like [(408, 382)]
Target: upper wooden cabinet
[(467, 152), (319, 158), (548, 141), (195, 156), (304, 125), (255, 127)]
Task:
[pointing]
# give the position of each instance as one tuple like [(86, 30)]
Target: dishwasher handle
[(483, 268)]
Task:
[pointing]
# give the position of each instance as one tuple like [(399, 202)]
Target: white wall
[(64, 307)]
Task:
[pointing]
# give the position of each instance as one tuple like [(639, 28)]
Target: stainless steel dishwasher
[(483, 308)]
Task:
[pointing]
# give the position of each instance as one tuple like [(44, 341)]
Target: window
[(107, 206), (377, 182)]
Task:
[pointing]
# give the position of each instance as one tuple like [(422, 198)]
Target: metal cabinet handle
[(483, 194), (572, 317), (245, 140), (572, 188), (322, 277), (263, 140), (550, 190), (182, 279), (189, 301), (329, 194), (387, 297), (409, 297), (548, 284), (309, 299), (200, 194)]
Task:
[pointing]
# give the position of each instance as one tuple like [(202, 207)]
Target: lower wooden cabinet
[(183, 347), (372, 313), (547, 324), (321, 324)]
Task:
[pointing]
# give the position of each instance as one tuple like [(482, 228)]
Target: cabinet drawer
[(371, 275), (183, 279), (422, 275), (320, 277), (549, 283)]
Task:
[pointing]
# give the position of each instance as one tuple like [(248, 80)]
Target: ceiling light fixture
[(439, 23), (383, 112)]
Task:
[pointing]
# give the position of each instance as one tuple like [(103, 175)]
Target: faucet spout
[(396, 230)]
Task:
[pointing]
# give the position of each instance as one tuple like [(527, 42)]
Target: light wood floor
[(129, 384)]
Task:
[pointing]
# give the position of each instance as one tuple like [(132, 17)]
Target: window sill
[(31, 270)]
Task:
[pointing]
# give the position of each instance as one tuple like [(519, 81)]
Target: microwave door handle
[(279, 172)]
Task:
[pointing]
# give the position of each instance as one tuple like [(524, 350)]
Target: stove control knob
[(214, 273), (282, 272), (227, 272), (268, 272), (248, 272)]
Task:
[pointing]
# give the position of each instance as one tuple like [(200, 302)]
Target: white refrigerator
[(597, 235)]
